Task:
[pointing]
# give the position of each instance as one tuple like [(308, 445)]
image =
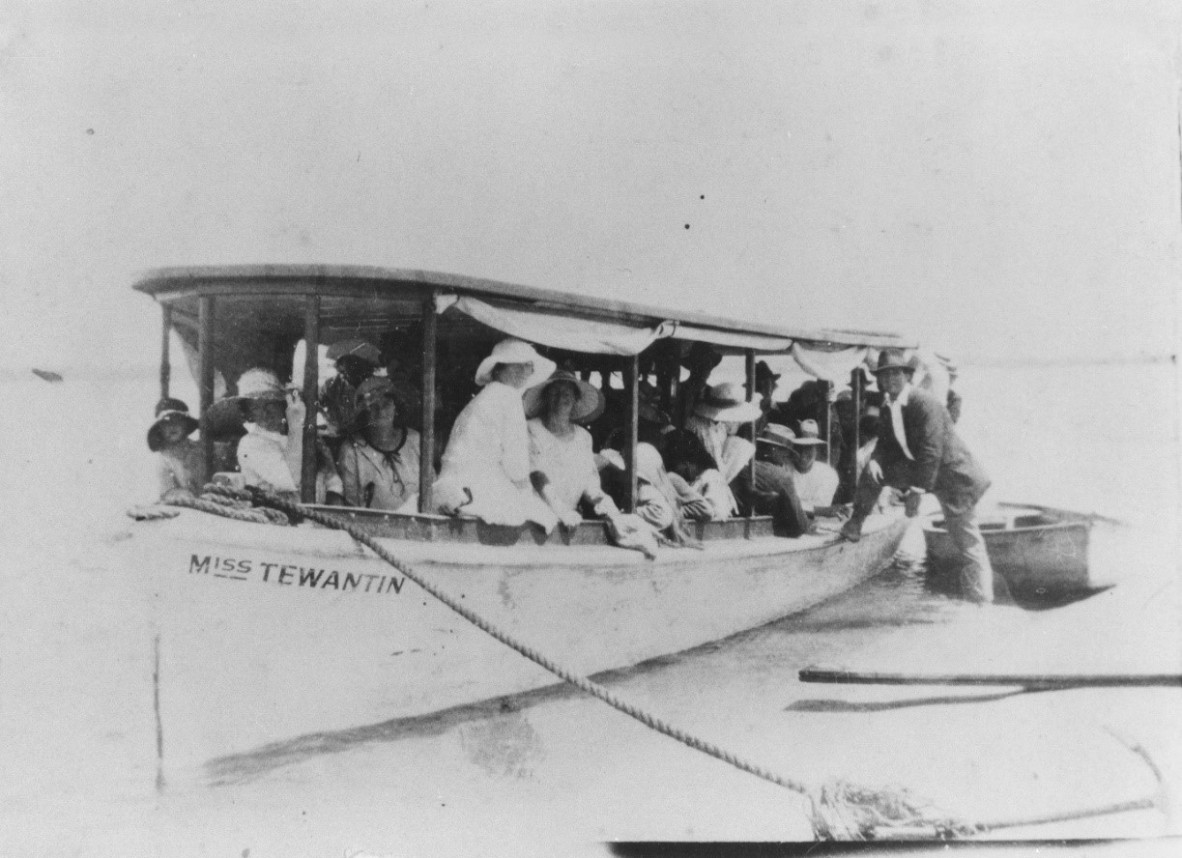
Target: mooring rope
[(833, 817), (840, 810)]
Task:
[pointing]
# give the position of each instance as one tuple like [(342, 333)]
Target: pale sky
[(994, 179)]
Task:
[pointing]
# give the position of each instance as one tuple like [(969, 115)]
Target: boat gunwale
[(1063, 520)]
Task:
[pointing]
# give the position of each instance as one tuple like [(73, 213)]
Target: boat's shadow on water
[(901, 595)]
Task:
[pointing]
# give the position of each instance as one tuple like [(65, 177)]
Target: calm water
[(550, 767)]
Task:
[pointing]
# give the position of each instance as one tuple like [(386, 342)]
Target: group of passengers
[(519, 451)]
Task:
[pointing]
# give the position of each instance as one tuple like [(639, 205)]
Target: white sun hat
[(511, 350)]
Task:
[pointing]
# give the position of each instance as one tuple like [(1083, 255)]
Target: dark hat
[(763, 371), (372, 389), (170, 411), (894, 359), (588, 406)]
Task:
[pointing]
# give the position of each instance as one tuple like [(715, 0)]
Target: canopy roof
[(364, 301)]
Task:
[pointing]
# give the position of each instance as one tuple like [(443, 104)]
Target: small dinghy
[(1038, 551)]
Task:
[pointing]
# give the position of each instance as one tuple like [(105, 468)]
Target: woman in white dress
[(486, 469), (562, 463)]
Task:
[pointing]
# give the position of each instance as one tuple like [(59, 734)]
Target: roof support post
[(427, 438), (308, 464), (206, 310), (750, 355), (825, 413), (858, 384), (165, 365), (631, 394)]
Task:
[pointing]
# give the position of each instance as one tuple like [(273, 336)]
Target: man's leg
[(865, 499), (976, 574)]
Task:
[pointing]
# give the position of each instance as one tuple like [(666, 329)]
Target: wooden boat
[(267, 633), (1037, 551)]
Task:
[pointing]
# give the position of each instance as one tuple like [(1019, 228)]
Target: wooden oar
[(1038, 680)]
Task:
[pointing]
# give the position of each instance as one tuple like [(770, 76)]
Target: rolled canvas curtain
[(557, 331), (831, 363), (739, 342)]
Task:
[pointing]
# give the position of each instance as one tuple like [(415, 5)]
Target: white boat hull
[(266, 633)]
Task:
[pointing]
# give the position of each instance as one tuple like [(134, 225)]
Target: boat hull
[(1036, 551), (265, 634)]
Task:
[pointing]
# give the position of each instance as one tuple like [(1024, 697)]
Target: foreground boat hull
[(265, 634), (1035, 550)]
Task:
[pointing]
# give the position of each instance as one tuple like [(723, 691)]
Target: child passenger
[(177, 455)]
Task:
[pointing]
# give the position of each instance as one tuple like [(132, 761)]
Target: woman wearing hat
[(379, 464), (562, 463), (177, 455), (716, 420), (486, 469), (270, 455)]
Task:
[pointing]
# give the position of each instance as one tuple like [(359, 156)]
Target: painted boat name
[(287, 574)]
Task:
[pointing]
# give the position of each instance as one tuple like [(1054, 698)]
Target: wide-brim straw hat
[(170, 411), (358, 348), (894, 359), (588, 406), (512, 350), (775, 435), (259, 383), (727, 403), (808, 434)]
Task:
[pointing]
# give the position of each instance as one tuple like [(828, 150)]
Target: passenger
[(178, 456), (700, 361), (486, 470), (811, 401), (773, 491), (765, 388), (716, 421), (663, 499), (816, 482), (270, 455), (379, 465), (562, 463), (356, 361), (686, 457)]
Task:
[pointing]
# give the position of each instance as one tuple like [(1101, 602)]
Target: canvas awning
[(556, 330)]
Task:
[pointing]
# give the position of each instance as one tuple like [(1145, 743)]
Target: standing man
[(918, 452)]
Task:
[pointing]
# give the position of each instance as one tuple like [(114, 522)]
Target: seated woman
[(486, 470), (270, 455), (687, 459), (177, 455), (716, 420), (379, 465), (562, 464)]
